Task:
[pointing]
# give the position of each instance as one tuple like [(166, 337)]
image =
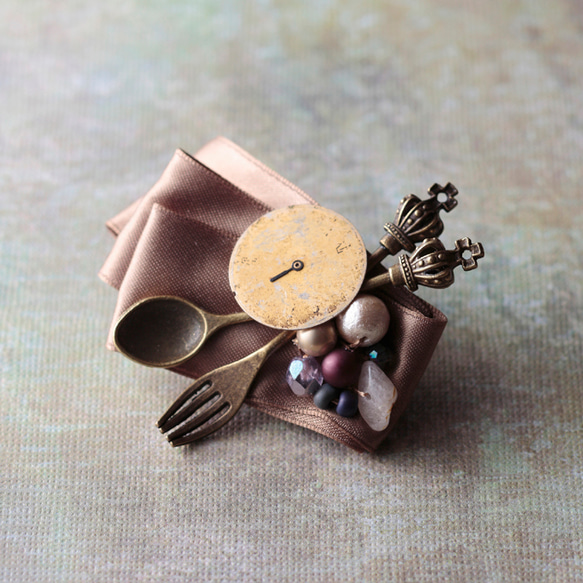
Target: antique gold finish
[(223, 391), (297, 267), (415, 220), (165, 331), (431, 265)]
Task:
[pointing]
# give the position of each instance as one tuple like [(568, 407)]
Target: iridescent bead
[(347, 404), (304, 375), (341, 368), (364, 322), (319, 340), (381, 355), (325, 395)]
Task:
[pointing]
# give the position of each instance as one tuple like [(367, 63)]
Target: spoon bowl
[(165, 331)]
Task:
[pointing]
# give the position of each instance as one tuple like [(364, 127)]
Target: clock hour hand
[(297, 265)]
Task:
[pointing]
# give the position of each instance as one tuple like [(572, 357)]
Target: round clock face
[(297, 267)]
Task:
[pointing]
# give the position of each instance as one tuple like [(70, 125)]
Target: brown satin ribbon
[(177, 240)]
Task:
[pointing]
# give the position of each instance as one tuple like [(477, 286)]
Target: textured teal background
[(359, 103)]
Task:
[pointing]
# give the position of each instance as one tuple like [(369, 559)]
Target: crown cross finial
[(450, 192), (475, 250), (415, 221)]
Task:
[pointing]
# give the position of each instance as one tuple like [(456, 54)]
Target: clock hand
[(297, 265)]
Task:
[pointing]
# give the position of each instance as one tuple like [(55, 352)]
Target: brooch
[(302, 270)]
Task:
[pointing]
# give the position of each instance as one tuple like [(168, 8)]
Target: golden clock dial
[(297, 267)]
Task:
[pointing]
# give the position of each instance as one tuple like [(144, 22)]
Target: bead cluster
[(342, 357)]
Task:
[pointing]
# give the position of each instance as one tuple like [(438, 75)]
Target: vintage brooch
[(303, 270)]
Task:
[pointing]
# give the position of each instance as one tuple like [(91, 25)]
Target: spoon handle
[(216, 322)]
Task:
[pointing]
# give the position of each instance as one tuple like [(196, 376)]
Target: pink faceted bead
[(304, 375), (341, 368)]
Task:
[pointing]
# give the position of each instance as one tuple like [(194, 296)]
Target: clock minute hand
[(297, 265)]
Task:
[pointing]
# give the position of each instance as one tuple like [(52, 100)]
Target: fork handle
[(273, 345)]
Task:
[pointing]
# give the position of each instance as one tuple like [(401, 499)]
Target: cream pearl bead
[(365, 321), (319, 340)]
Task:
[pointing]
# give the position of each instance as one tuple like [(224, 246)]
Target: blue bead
[(347, 404), (325, 395), (382, 355)]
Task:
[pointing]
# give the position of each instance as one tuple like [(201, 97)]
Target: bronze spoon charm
[(165, 331)]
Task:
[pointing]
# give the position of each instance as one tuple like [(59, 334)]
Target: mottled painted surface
[(358, 103), (328, 249)]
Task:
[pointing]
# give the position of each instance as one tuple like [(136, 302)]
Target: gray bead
[(325, 395)]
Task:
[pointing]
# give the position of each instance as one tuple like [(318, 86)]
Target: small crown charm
[(431, 265), (415, 221)]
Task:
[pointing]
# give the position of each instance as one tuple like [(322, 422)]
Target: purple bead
[(341, 368), (347, 404), (304, 375)]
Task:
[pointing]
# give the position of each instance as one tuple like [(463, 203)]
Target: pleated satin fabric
[(177, 240)]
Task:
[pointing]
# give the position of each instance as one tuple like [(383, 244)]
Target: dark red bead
[(341, 368)]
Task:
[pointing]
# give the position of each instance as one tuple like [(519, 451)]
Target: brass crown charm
[(415, 221), (431, 265)]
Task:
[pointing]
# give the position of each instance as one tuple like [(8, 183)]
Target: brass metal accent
[(415, 221), (165, 331), (223, 391), (431, 265)]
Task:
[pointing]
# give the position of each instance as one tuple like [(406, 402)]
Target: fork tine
[(177, 413), (201, 432), (189, 431), (189, 409)]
